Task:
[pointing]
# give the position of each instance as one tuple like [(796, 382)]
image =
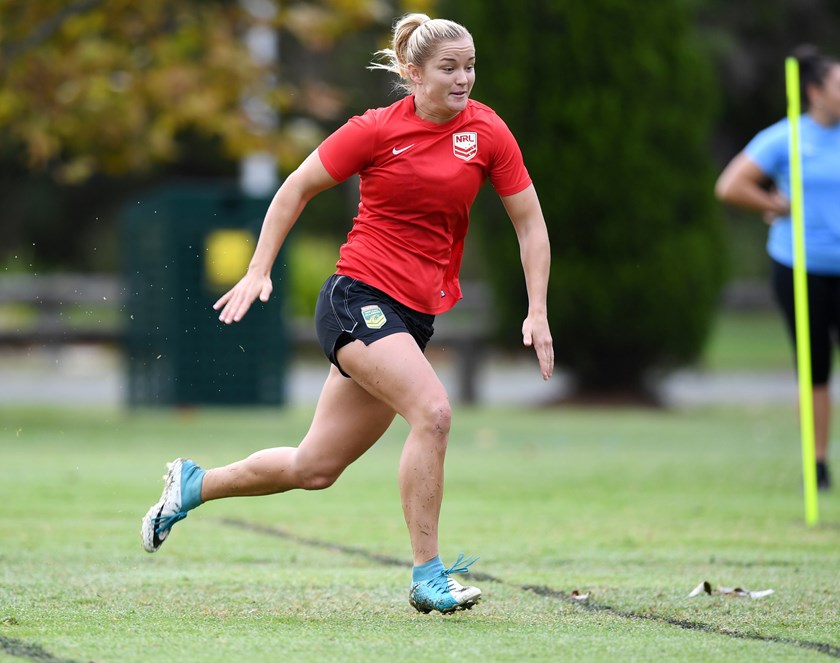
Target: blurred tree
[(100, 99), (109, 87), (612, 103), (748, 42)]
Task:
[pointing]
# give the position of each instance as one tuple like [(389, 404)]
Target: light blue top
[(821, 191)]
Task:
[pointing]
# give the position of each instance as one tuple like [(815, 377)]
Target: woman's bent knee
[(435, 418)]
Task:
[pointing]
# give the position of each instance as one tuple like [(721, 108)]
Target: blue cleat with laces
[(181, 493), (444, 594)]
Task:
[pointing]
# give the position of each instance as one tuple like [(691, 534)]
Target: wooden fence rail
[(55, 310)]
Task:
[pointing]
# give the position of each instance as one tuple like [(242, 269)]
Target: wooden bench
[(54, 310), (58, 309)]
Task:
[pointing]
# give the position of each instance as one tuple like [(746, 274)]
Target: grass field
[(634, 507), (752, 340), (748, 341)]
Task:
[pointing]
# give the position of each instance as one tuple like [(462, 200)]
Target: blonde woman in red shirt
[(421, 162)]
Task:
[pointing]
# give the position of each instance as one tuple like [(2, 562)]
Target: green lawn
[(634, 507), (748, 341)]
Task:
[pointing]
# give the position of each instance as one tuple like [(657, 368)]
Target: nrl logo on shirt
[(465, 144)]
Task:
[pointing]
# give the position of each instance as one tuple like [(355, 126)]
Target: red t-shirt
[(418, 181)]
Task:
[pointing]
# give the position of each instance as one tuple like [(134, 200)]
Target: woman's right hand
[(298, 188), (743, 183), (780, 206), (236, 301)]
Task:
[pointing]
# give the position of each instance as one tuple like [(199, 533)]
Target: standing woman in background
[(421, 162), (758, 179)]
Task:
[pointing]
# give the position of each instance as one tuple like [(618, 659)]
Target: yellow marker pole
[(800, 293)]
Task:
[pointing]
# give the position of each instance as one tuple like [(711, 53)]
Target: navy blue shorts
[(823, 313), (349, 310)]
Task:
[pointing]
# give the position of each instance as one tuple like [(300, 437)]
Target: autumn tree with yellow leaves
[(107, 86), (99, 98)]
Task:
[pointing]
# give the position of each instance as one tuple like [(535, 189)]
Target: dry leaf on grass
[(705, 587)]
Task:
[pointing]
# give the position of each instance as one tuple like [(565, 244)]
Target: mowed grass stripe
[(29, 651)]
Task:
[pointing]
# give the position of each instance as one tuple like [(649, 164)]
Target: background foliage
[(616, 141), (110, 87), (102, 100), (625, 111)]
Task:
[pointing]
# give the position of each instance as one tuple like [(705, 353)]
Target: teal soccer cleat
[(444, 594), (181, 492)]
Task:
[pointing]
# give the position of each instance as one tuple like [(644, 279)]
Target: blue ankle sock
[(192, 476), (427, 571)]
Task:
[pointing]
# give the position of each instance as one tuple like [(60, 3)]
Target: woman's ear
[(813, 93), (414, 73)]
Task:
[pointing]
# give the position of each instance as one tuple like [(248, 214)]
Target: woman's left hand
[(536, 334)]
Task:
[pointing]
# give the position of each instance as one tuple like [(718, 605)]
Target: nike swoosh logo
[(395, 151)]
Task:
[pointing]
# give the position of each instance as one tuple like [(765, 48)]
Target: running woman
[(744, 183), (421, 162)]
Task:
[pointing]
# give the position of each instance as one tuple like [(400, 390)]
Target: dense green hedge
[(612, 103)]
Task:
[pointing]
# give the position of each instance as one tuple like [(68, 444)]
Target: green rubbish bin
[(185, 245)]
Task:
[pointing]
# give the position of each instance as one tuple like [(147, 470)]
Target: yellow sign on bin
[(227, 254)]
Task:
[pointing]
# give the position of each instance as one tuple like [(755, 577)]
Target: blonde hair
[(415, 39)]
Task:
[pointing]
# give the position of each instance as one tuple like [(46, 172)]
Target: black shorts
[(349, 310), (823, 315)]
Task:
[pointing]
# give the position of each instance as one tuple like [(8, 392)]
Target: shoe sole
[(152, 541), (466, 605), (469, 604)]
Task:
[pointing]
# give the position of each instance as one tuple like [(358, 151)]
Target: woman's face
[(825, 102), (442, 86)]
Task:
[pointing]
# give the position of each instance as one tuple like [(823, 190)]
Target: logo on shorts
[(374, 317), (465, 144)]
